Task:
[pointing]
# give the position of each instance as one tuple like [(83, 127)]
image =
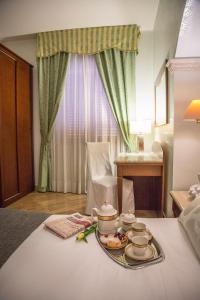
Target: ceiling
[(21, 17), (188, 41)]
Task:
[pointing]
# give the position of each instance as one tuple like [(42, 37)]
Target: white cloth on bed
[(46, 267), (190, 219)]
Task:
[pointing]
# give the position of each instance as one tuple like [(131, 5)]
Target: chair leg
[(128, 200)]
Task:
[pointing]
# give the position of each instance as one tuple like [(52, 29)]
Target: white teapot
[(107, 218)]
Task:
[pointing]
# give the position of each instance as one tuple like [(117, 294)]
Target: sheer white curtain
[(84, 116)]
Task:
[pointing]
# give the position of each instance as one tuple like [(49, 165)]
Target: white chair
[(101, 184)]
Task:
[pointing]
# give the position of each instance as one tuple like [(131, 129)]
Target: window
[(84, 116)]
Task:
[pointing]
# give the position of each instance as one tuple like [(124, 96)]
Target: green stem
[(90, 230)]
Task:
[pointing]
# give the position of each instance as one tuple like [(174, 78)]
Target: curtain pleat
[(51, 75), (117, 71), (84, 116), (87, 41)]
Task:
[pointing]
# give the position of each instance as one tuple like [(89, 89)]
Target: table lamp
[(193, 111), (140, 128)]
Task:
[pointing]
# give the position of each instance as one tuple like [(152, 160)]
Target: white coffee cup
[(138, 227), (140, 244)]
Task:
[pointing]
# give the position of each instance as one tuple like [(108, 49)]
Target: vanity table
[(138, 166)]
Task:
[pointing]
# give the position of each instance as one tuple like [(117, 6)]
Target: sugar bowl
[(127, 220)]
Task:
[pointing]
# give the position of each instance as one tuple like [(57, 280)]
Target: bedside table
[(181, 200)]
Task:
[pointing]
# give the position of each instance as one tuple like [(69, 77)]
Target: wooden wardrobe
[(16, 146)]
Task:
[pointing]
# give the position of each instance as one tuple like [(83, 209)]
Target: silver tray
[(119, 256)]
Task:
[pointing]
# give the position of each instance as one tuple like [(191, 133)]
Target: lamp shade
[(193, 111)]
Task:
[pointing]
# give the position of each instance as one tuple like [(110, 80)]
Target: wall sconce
[(193, 111), (140, 128)]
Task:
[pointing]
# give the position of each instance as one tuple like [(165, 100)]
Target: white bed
[(48, 267)]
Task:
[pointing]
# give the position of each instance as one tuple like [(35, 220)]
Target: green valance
[(88, 40)]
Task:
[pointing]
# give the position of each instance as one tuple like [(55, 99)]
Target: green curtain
[(117, 70), (87, 41), (51, 76)]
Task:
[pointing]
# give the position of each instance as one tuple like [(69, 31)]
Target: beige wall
[(20, 17), (186, 164), (166, 32), (144, 83)]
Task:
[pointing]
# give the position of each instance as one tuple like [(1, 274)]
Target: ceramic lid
[(107, 210), (128, 217)]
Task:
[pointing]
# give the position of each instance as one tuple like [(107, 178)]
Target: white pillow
[(190, 219)]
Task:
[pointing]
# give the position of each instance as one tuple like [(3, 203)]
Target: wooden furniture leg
[(120, 194)]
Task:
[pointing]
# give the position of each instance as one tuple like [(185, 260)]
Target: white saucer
[(148, 254), (131, 233)]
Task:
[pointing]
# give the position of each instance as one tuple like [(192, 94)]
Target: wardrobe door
[(8, 129), (24, 126)]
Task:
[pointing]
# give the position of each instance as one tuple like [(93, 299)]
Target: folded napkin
[(69, 225)]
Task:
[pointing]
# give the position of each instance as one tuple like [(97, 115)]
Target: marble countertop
[(139, 157)]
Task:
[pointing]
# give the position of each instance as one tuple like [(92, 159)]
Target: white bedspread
[(46, 267)]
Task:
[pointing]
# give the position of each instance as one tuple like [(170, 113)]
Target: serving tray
[(118, 255)]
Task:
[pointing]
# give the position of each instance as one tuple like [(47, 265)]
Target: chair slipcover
[(101, 184)]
